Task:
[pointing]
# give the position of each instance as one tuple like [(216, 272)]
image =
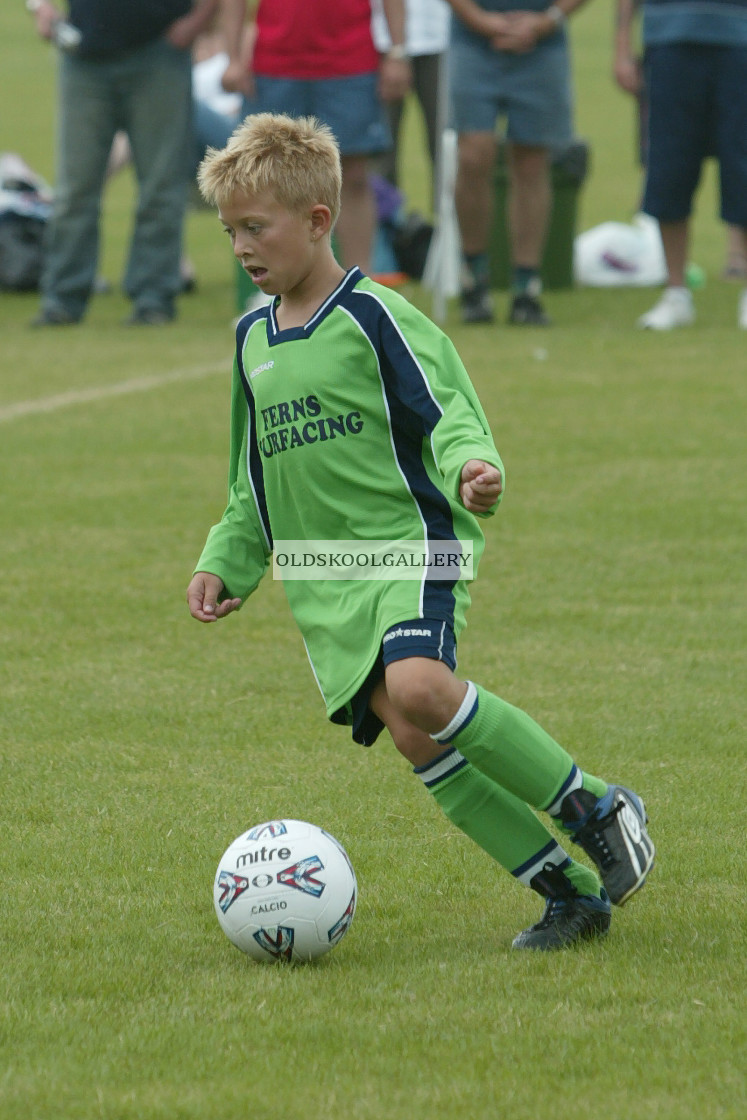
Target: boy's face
[(274, 246)]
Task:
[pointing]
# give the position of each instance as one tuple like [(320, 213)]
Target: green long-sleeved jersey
[(354, 427)]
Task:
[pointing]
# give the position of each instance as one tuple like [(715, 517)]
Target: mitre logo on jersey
[(297, 423)]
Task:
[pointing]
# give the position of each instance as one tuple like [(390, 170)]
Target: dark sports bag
[(20, 252), (25, 206)]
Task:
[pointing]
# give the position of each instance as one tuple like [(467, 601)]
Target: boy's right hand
[(481, 486), (202, 598)]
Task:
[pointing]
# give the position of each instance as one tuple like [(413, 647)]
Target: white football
[(285, 890)]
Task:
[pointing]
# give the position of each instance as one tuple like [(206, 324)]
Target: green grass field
[(135, 744)]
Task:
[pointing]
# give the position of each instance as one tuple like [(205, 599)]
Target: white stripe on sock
[(556, 857), (440, 767), (465, 708)]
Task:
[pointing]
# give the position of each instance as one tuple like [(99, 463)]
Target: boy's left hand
[(481, 486)]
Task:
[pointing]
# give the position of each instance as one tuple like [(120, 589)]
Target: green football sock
[(508, 746), (583, 878), (500, 823), (594, 785)]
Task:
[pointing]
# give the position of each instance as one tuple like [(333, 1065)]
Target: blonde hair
[(296, 159)]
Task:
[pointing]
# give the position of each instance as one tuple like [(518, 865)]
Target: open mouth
[(257, 274)]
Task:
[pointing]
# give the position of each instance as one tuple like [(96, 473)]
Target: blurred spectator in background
[(508, 58), (629, 75), (735, 267), (695, 75), (317, 62), (215, 114), (426, 42), (122, 66), (217, 111)]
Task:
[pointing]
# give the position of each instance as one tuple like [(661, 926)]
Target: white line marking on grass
[(102, 392)]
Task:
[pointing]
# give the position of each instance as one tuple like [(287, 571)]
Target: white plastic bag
[(617, 255)]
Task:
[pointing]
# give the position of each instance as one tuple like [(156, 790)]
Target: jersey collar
[(275, 334)]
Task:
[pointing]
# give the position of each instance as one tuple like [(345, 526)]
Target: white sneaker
[(742, 311), (674, 309)]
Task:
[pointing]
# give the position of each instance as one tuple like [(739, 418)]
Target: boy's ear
[(321, 219)]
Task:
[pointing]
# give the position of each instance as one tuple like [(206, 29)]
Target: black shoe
[(568, 917), (149, 317), (53, 317), (527, 311), (477, 305), (612, 832)]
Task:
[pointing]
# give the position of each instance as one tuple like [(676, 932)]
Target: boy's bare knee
[(412, 742), (415, 745), (425, 692)]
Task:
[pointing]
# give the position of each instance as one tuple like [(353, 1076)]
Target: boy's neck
[(297, 307)]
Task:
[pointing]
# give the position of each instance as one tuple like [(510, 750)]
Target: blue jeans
[(350, 106), (147, 93)]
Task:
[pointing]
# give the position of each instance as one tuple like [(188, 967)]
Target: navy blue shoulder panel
[(254, 463), (413, 414)]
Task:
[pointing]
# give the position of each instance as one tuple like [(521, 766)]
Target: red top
[(314, 39)]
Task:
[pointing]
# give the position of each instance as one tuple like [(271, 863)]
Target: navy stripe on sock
[(448, 763)]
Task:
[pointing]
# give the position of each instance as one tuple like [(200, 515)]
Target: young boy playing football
[(353, 419)]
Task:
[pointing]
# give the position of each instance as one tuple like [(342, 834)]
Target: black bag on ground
[(410, 241), (21, 254), (25, 206)]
